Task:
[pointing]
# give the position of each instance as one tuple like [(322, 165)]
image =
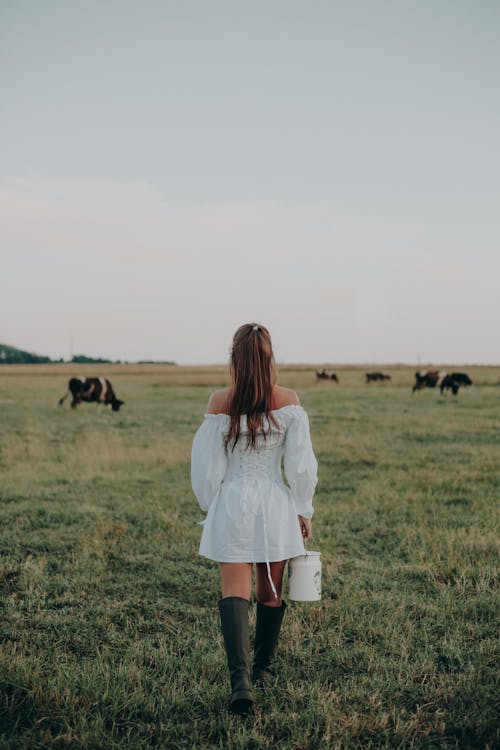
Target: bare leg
[(263, 590), (236, 580)]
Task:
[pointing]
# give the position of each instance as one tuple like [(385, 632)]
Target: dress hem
[(263, 561)]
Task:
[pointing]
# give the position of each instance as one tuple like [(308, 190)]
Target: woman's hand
[(305, 527)]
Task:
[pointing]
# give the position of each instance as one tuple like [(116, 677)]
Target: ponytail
[(252, 376)]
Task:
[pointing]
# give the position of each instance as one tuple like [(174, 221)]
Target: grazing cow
[(461, 377), (326, 375), (427, 379), (376, 376), (435, 379), (98, 390)]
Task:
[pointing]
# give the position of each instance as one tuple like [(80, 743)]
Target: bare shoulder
[(218, 402), (284, 397)]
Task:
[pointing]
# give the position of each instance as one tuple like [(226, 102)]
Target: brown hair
[(252, 379)]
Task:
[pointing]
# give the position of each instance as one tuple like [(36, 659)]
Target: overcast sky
[(170, 170)]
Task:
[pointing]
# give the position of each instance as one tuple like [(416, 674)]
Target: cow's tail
[(61, 400)]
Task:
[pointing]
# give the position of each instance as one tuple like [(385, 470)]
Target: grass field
[(109, 620)]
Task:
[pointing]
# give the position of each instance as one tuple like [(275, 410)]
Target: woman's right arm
[(208, 461)]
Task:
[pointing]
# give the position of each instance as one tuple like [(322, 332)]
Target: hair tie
[(255, 328)]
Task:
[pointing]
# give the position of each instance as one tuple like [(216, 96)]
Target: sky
[(330, 169)]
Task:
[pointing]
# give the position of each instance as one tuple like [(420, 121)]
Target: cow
[(326, 375), (98, 390), (427, 379), (461, 377), (435, 379), (376, 376)]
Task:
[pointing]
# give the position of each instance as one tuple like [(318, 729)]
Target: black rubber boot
[(267, 632), (234, 623)]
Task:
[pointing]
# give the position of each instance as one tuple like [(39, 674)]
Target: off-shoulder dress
[(252, 513)]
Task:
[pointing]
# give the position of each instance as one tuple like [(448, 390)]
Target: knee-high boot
[(267, 633), (234, 623)]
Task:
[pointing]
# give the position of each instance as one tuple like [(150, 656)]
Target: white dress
[(252, 513)]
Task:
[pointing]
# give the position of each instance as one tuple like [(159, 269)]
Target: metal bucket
[(304, 577)]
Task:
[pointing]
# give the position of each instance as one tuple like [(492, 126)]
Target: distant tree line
[(82, 359), (10, 355)]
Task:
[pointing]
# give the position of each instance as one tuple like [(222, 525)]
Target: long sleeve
[(208, 460), (300, 463)]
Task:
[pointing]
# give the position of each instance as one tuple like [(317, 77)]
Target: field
[(109, 622)]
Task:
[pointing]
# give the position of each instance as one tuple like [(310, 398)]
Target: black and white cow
[(326, 375), (98, 390), (435, 379)]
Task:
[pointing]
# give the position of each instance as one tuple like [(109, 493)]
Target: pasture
[(109, 622)]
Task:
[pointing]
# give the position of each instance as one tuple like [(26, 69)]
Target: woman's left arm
[(300, 464), (305, 527)]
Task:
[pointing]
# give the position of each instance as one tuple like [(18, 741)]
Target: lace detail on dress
[(260, 463)]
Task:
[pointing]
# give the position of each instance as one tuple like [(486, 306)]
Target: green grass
[(109, 620)]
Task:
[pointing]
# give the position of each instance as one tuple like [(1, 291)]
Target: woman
[(253, 517)]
